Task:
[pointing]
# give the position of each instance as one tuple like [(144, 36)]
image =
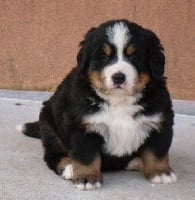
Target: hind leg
[(54, 150), (84, 176), (81, 165), (136, 164)]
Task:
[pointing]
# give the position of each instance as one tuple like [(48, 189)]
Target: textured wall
[(39, 38)]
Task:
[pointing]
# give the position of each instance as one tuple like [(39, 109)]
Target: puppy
[(112, 111)]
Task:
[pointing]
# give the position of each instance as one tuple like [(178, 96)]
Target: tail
[(30, 129)]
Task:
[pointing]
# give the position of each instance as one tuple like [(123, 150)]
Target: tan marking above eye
[(130, 49), (107, 50)]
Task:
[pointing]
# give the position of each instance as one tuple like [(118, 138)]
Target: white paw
[(87, 185), (165, 178), (80, 186), (135, 164), (68, 172), (20, 128)]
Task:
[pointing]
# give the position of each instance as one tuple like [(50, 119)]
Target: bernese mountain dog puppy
[(112, 112)]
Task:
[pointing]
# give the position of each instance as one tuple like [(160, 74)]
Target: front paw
[(164, 178), (88, 182)]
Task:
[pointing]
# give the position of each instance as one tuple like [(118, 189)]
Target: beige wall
[(39, 38)]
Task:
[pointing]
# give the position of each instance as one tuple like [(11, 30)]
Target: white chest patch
[(123, 134)]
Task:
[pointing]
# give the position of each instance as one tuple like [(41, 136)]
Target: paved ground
[(24, 175)]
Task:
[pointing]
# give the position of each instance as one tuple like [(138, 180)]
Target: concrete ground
[(24, 175)]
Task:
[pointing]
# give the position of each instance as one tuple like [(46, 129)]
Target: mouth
[(118, 87), (123, 89)]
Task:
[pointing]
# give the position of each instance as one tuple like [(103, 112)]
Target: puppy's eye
[(130, 53), (105, 57), (132, 58)]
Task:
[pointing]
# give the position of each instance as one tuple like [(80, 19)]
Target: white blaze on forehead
[(119, 36)]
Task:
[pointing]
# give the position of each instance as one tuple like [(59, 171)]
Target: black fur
[(32, 130), (60, 123)]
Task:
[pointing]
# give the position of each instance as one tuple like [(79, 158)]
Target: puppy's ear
[(84, 52), (82, 57), (156, 58)]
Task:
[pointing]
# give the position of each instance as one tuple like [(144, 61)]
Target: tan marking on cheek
[(107, 50), (96, 80), (143, 80), (154, 166), (130, 49)]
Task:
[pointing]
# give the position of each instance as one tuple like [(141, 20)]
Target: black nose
[(118, 78)]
